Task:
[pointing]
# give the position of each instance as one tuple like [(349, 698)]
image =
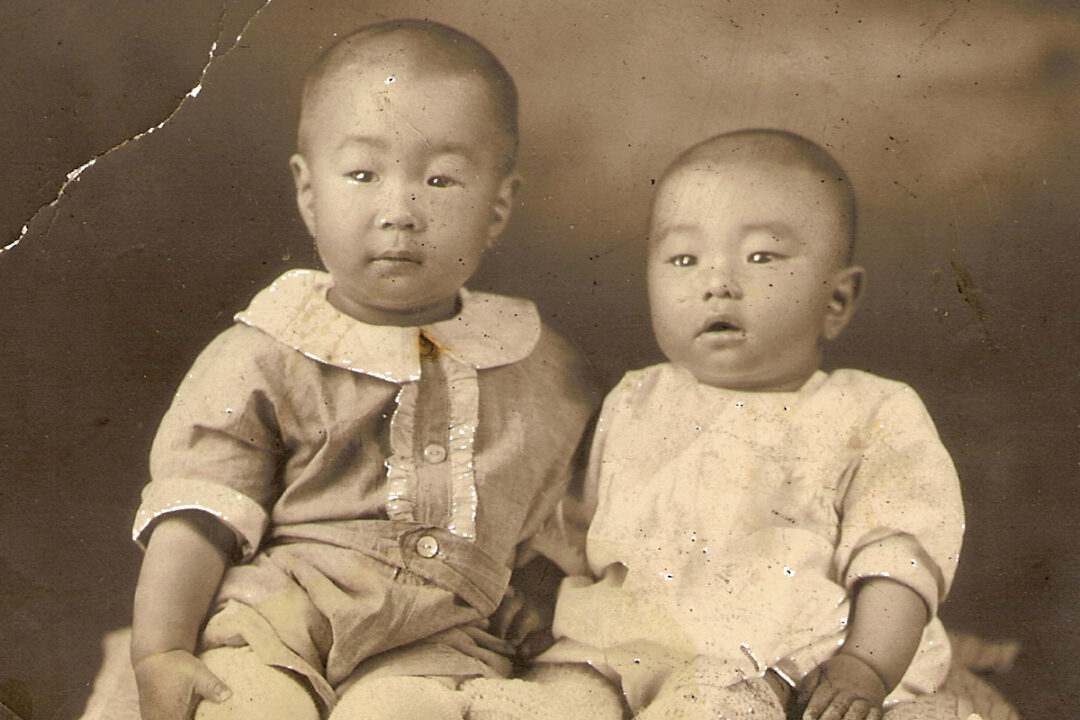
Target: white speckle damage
[(758, 666), (76, 174)]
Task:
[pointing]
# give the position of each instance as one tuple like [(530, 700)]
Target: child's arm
[(525, 615), (886, 626), (185, 560), (901, 528)]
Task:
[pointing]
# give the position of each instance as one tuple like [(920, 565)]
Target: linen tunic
[(382, 482), (731, 527)]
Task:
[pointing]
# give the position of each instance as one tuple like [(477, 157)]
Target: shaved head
[(780, 149), (421, 47)]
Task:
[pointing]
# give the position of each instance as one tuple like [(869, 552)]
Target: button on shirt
[(434, 453), (427, 546)]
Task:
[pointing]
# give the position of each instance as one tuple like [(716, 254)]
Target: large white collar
[(490, 330)]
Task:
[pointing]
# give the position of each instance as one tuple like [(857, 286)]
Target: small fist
[(842, 688), (519, 621), (172, 683)]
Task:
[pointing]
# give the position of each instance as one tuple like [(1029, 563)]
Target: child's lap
[(326, 612), (258, 690), (572, 692), (459, 651)]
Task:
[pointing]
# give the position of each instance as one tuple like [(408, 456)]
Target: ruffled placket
[(463, 408)]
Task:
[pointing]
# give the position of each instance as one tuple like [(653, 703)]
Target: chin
[(721, 381)]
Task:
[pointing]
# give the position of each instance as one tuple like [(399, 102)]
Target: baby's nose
[(397, 221), (720, 283), (398, 210)]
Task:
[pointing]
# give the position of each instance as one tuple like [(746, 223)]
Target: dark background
[(957, 121)]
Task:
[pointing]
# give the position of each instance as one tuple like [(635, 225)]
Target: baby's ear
[(503, 205), (305, 196), (848, 286)]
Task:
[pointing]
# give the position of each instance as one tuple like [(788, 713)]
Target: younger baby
[(349, 475), (768, 537)]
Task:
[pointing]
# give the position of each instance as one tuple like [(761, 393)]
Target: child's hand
[(172, 683), (842, 687), (518, 620)]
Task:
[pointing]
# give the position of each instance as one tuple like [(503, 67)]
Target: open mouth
[(721, 326)]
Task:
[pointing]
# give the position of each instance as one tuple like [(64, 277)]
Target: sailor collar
[(489, 330)]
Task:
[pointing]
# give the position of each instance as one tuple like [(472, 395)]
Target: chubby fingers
[(207, 685), (823, 700), (487, 640), (504, 616), (876, 713), (862, 709), (526, 622), (841, 705), (171, 684)]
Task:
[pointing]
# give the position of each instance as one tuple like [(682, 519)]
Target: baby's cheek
[(673, 296)]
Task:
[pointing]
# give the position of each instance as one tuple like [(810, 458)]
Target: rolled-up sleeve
[(902, 515), (218, 448)]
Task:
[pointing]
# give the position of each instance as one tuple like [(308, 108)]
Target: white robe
[(732, 527)]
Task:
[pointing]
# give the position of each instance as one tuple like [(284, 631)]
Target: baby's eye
[(362, 176), (761, 257), (683, 260), (441, 181)]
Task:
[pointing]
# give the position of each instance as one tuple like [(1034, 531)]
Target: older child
[(768, 537), (348, 476)]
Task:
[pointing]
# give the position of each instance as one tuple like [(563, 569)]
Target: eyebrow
[(362, 140), (776, 229), (679, 228), (779, 230), (450, 148)]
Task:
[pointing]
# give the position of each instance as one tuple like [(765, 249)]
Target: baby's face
[(746, 274), (401, 184)]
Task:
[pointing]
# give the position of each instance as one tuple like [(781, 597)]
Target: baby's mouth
[(721, 326), (397, 256)]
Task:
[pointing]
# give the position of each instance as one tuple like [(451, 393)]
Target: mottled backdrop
[(957, 121)]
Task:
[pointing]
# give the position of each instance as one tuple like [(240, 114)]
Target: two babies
[(354, 480)]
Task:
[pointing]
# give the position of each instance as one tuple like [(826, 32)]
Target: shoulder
[(555, 350), (885, 406), (243, 346), (648, 387), (243, 355), (861, 381), (512, 328), (555, 368), (662, 378), (867, 389)]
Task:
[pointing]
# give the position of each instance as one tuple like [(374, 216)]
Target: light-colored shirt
[(734, 526)]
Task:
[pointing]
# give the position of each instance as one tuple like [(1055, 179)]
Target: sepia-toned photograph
[(505, 360)]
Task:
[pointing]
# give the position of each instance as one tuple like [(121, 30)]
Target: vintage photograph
[(495, 359)]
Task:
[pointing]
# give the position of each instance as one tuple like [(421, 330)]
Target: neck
[(407, 317)]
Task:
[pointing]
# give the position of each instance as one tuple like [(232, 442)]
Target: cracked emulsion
[(75, 174)]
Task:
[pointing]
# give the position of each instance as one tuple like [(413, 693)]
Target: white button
[(427, 546), (434, 453)]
